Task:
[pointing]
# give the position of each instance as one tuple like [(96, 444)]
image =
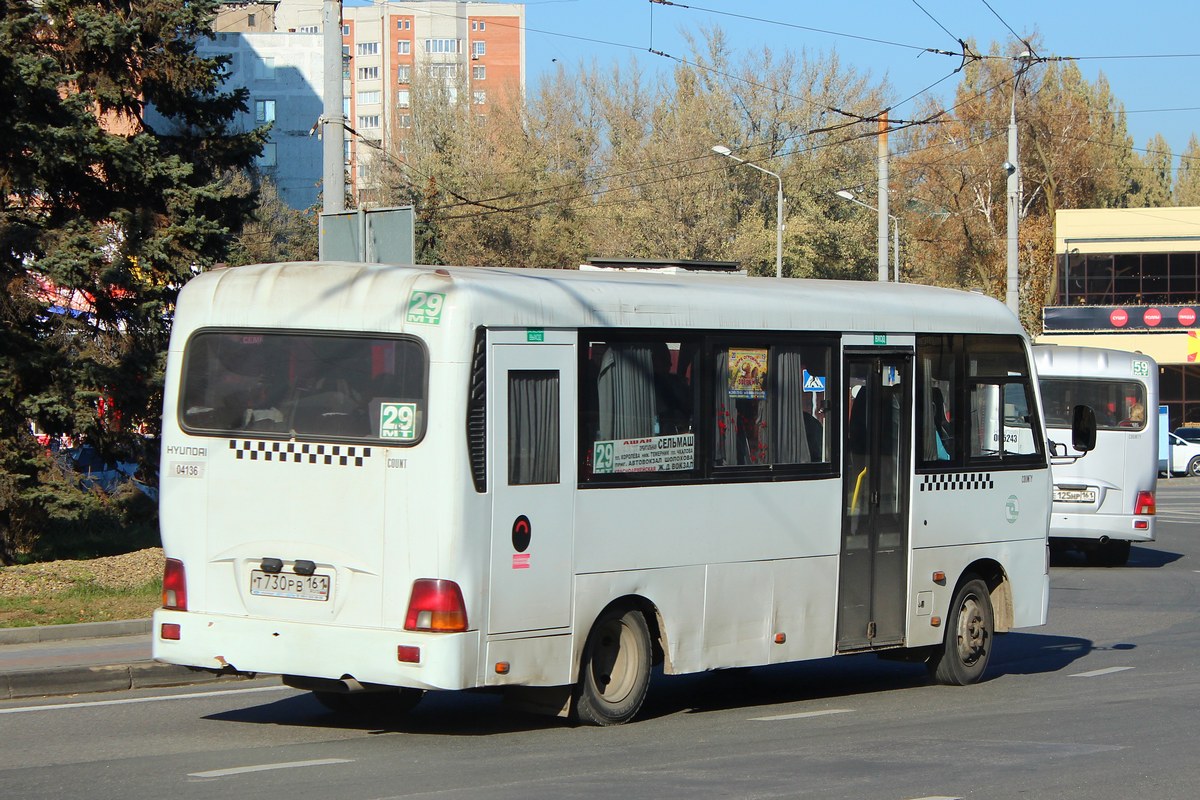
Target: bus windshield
[(303, 385), (1119, 405)]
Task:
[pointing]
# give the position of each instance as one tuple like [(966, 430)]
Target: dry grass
[(57, 592)]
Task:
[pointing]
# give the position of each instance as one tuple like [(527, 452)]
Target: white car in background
[(1185, 456)]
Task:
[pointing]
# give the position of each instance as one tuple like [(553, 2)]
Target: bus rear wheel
[(614, 674), (970, 627)]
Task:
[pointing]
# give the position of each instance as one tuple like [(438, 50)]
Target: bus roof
[(1089, 362), (374, 297)]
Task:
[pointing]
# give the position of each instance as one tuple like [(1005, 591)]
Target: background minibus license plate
[(288, 584), (1074, 495)]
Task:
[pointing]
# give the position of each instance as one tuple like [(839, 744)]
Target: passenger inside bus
[(1136, 418), (942, 429), (261, 413)]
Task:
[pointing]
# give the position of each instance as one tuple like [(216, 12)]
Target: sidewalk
[(91, 657)]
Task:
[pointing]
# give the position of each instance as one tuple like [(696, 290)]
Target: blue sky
[(1160, 94)]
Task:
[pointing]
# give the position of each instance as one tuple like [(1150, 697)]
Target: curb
[(81, 630), (82, 680)]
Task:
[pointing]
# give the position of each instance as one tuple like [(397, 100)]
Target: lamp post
[(846, 194), (722, 150)]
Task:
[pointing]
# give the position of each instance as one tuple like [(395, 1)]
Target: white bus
[(381, 480), (1105, 501)]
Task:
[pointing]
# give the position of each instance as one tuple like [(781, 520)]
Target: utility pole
[(333, 175), (883, 197), (1013, 167)]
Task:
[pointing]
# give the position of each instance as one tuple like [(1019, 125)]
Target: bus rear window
[(304, 385), (1117, 404)]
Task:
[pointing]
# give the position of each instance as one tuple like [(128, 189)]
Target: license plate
[(288, 584), (1074, 495)]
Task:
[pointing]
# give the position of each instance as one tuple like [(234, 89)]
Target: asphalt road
[(1101, 703)]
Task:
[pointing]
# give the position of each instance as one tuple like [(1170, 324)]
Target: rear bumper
[(216, 641), (1098, 526)]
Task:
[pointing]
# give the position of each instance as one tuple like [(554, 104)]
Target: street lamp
[(722, 150), (846, 194)]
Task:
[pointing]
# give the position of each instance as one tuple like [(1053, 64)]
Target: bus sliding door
[(532, 398), (875, 475)]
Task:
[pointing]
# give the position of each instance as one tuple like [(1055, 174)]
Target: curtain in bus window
[(787, 425), (532, 427), (625, 392)]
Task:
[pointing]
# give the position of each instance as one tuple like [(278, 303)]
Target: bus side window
[(937, 379), (533, 427)]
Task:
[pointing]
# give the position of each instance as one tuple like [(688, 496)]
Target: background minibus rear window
[(304, 385), (1117, 404)]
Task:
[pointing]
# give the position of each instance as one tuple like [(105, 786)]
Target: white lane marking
[(803, 715), (1096, 672), (224, 773), (131, 700), (937, 797)]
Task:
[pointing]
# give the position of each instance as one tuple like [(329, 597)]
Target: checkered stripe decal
[(295, 453), (957, 482)]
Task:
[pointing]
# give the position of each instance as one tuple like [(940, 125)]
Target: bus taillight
[(1145, 504), (436, 605), (174, 593)]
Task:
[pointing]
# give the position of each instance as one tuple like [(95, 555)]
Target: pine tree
[(102, 205)]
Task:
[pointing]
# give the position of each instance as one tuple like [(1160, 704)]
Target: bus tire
[(614, 673), (970, 627), (371, 704), (1193, 467)]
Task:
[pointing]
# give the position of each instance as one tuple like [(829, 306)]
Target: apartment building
[(282, 72), (477, 50)]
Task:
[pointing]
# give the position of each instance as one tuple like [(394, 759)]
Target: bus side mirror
[(1083, 429)]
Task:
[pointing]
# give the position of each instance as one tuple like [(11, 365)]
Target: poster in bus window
[(748, 373), (645, 454)]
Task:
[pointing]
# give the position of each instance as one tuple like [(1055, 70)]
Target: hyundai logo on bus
[(522, 531)]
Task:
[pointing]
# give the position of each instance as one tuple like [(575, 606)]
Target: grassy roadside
[(120, 587), (83, 602)]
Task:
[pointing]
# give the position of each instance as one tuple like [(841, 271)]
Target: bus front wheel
[(615, 671), (963, 656)]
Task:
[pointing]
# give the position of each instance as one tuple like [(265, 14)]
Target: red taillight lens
[(436, 605), (174, 595), (171, 630), (1145, 504)]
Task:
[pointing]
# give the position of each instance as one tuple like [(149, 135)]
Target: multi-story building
[(282, 72), (476, 50), (1129, 279)]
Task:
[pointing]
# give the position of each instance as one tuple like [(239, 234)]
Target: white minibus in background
[(380, 480), (1105, 501)]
